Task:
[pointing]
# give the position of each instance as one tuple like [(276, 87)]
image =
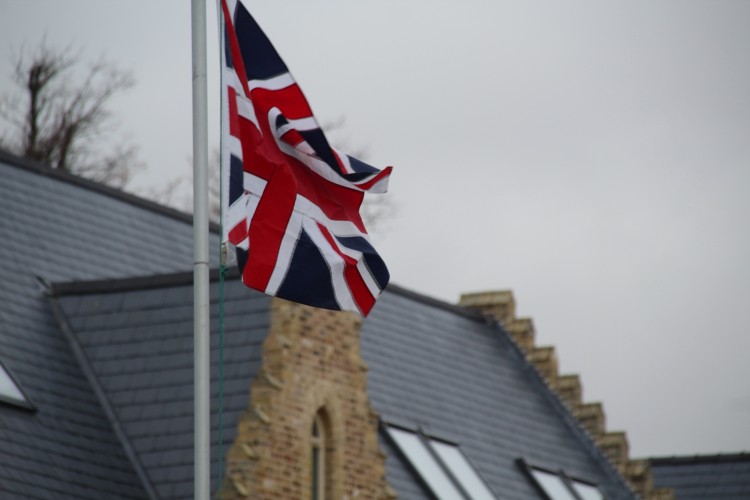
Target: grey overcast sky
[(594, 157)]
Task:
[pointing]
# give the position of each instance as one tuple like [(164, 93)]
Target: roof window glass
[(587, 491), (423, 460), (462, 470), (442, 466), (9, 391), (553, 485), (558, 485)]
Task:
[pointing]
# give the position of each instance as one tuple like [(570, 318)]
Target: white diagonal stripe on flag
[(336, 264), (275, 83)]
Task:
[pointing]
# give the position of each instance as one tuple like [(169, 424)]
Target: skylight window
[(587, 491), (561, 486), (553, 485), (442, 466), (9, 391), (464, 473)]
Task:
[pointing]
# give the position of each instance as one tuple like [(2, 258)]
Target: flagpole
[(201, 311)]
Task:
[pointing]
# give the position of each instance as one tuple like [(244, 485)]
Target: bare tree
[(63, 121), (178, 193)]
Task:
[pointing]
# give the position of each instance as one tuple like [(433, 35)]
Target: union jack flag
[(291, 202)]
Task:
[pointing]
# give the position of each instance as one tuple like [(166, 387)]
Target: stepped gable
[(500, 306)]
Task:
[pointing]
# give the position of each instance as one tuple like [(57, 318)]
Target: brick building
[(423, 399)]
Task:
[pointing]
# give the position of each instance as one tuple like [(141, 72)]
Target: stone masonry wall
[(311, 361)]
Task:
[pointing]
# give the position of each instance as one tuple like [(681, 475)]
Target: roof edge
[(559, 406), (432, 301), (700, 459), (82, 182), (115, 285)]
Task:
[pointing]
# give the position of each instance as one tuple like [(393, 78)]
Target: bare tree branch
[(178, 193), (62, 121)]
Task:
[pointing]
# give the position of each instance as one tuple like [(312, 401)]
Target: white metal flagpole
[(201, 311)]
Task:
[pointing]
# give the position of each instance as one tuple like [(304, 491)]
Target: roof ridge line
[(112, 285), (432, 301), (701, 458), (128, 197), (562, 410)]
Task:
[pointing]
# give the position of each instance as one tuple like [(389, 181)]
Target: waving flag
[(291, 202)]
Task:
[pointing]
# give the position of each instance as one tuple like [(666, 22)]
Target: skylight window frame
[(7, 400), (566, 479), (427, 442), (578, 482)]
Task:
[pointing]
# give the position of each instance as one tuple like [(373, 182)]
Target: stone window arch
[(320, 458)]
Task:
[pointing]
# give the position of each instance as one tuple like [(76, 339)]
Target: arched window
[(319, 470)]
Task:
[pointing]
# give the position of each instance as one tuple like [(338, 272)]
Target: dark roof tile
[(60, 228), (150, 354), (484, 395), (704, 477), (432, 365)]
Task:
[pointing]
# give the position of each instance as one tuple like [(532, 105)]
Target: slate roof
[(445, 370), (107, 359), (59, 227), (704, 477), (137, 336), (432, 366)]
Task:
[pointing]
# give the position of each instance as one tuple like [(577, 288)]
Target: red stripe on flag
[(262, 153), (290, 101), (234, 124), (238, 233), (354, 281), (359, 289), (379, 177), (342, 167), (267, 228), (292, 137)]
